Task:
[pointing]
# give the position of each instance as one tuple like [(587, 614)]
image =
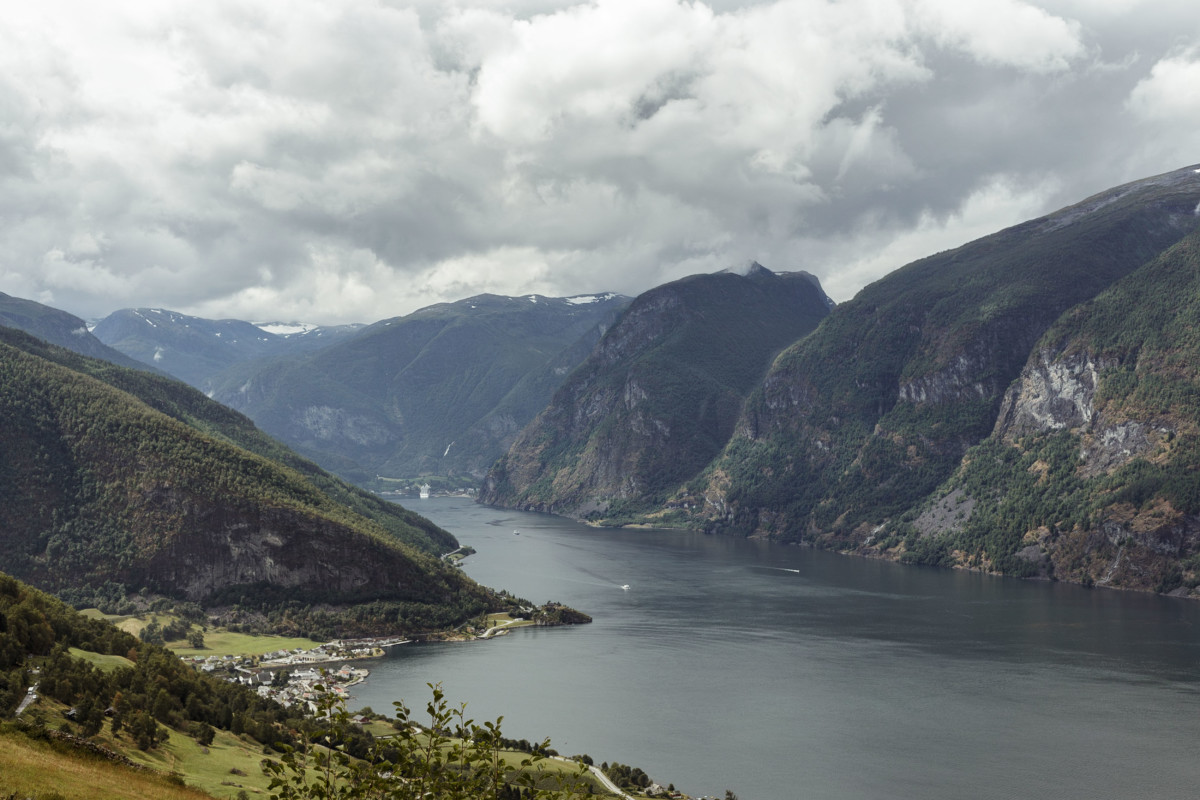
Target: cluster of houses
[(300, 685), (291, 676)]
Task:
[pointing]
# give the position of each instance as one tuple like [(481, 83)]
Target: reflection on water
[(780, 672)]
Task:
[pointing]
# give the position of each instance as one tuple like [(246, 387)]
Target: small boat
[(625, 586), (516, 533)]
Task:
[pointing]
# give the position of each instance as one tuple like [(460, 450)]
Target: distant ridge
[(439, 392), (195, 349), (60, 328)]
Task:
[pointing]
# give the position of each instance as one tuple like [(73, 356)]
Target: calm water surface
[(783, 673)]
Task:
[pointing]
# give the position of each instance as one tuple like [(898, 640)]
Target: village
[(290, 677)]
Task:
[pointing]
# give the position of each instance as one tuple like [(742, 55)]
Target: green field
[(101, 662), (218, 642), (222, 642)]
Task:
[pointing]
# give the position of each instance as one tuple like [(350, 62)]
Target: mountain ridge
[(440, 391), (60, 328), (102, 489), (195, 349), (867, 416), (657, 397)]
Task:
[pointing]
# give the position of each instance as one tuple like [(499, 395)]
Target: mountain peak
[(748, 268)]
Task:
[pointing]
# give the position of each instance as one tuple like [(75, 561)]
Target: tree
[(202, 732), (450, 758)]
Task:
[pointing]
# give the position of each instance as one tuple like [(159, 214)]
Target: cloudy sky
[(349, 160)]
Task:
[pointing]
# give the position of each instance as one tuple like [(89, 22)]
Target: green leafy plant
[(449, 757)]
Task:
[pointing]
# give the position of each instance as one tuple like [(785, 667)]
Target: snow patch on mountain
[(285, 328), (588, 299)]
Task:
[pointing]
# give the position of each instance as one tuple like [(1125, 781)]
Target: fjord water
[(783, 673)]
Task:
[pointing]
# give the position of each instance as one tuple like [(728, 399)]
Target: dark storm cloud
[(360, 159)]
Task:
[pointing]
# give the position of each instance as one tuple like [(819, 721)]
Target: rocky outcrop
[(328, 424), (1058, 392), (1053, 393)]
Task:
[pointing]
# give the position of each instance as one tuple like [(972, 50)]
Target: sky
[(336, 161)]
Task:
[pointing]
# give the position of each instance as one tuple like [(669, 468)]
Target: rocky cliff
[(857, 424), (657, 398), (1092, 472)]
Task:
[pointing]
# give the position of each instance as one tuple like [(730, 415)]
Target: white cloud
[(1170, 93), (361, 158), (1007, 32)]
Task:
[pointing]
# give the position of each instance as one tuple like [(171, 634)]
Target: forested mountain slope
[(860, 421), (101, 489), (1092, 472), (657, 399), (441, 391)]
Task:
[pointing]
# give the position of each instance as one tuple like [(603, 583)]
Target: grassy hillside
[(192, 408), (144, 724), (41, 768), (140, 698)]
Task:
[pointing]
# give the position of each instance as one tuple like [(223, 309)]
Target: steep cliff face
[(859, 422), (657, 398), (1092, 472), (1053, 393)]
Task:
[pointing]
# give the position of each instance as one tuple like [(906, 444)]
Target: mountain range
[(60, 328), (1023, 404), (439, 392), (195, 349)]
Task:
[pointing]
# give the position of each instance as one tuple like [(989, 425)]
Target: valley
[(1022, 406)]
